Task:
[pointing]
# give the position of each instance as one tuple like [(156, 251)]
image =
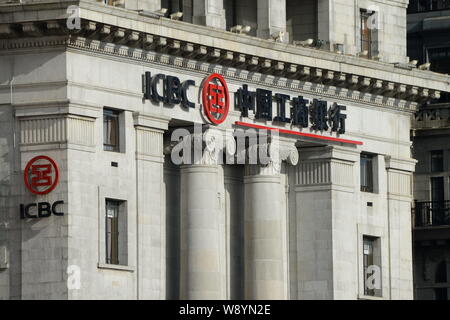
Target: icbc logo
[(215, 98), (41, 175)]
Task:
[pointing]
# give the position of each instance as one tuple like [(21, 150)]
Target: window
[(111, 130), (437, 161), (371, 266), (440, 294), (439, 59), (366, 167), (302, 19), (116, 232), (366, 34), (440, 62), (437, 189), (244, 13), (231, 13), (441, 272)]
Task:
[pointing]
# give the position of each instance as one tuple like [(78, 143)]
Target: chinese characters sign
[(303, 113), (315, 114)]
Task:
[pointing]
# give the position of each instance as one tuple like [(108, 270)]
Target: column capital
[(327, 167), (201, 147), (330, 152), (151, 121), (277, 152), (149, 136), (401, 164)]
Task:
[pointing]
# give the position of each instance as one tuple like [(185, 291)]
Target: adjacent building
[(95, 98), (428, 42)]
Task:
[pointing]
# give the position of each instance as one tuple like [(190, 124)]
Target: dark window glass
[(110, 130), (172, 6), (439, 59), (437, 189), (440, 62), (441, 294), (366, 166), (437, 161), (441, 272), (368, 260), (112, 231)]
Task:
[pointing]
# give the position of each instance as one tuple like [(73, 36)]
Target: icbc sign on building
[(215, 98), (41, 176), (215, 94)]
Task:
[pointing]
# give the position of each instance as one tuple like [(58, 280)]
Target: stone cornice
[(302, 86), (128, 34)]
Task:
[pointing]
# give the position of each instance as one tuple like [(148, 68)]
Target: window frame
[(111, 258), (375, 260), (437, 189), (370, 187), (440, 154), (114, 114), (363, 25), (367, 263), (121, 256)]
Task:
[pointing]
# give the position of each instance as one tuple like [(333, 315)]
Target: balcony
[(432, 213), (436, 116)]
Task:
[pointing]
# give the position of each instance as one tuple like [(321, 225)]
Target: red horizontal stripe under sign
[(297, 133)]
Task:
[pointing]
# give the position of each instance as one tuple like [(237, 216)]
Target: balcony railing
[(433, 116), (416, 6), (432, 213)]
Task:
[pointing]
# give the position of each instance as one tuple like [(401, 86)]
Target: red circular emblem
[(215, 98), (41, 175)]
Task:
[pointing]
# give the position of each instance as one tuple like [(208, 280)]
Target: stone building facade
[(90, 88)]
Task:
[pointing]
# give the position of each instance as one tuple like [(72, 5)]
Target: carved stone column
[(272, 19), (203, 236), (264, 236), (209, 13)]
